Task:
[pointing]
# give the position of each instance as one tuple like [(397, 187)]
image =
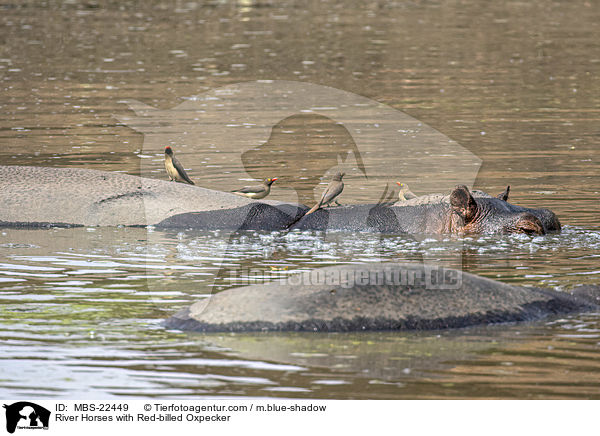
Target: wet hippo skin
[(459, 212), (41, 196), (306, 304)]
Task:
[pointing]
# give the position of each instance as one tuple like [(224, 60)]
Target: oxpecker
[(256, 192), (174, 168)]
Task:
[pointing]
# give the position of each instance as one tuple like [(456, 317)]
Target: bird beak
[(398, 183), (274, 179)]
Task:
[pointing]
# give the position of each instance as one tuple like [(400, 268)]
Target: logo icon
[(26, 415), (302, 134)]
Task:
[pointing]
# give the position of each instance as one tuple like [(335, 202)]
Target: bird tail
[(314, 208)]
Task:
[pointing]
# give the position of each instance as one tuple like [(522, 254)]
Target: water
[(82, 310), (515, 83)]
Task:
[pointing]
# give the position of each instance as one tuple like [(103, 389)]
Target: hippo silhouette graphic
[(27, 415)]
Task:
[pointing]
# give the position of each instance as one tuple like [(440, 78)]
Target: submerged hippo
[(44, 197), (38, 196), (459, 212), (386, 296)]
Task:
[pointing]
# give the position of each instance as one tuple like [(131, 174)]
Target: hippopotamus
[(38, 196), (65, 197), (460, 212), (385, 296)]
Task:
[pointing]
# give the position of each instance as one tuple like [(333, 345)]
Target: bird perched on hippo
[(301, 150), (258, 191), (174, 169), (405, 193), (331, 193)]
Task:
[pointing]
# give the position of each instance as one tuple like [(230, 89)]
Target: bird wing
[(409, 195), (181, 171), (333, 190), (250, 189)]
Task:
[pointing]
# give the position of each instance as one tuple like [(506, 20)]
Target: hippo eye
[(459, 212), (530, 225), (528, 231)]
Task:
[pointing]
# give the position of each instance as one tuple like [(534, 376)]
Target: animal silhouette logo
[(302, 134), (26, 415), (301, 150)]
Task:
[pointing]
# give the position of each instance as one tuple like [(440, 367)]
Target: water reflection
[(81, 302), (516, 83)]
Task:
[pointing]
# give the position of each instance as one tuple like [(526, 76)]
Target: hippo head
[(496, 215)]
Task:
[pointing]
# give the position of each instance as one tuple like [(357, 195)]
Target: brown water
[(516, 84)]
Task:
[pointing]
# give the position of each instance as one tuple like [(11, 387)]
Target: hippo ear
[(463, 203), (530, 225), (504, 196)]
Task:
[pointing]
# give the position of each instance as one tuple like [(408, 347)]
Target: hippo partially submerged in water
[(36, 196), (459, 212), (386, 296)]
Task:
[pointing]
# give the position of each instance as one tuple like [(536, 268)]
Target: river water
[(515, 84)]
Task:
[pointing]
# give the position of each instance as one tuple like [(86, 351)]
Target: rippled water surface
[(82, 310), (515, 83)]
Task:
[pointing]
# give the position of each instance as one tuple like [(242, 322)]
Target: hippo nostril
[(530, 225)]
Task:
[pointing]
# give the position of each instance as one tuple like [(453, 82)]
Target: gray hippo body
[(39, 196), (386, 296), (459, 212)]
